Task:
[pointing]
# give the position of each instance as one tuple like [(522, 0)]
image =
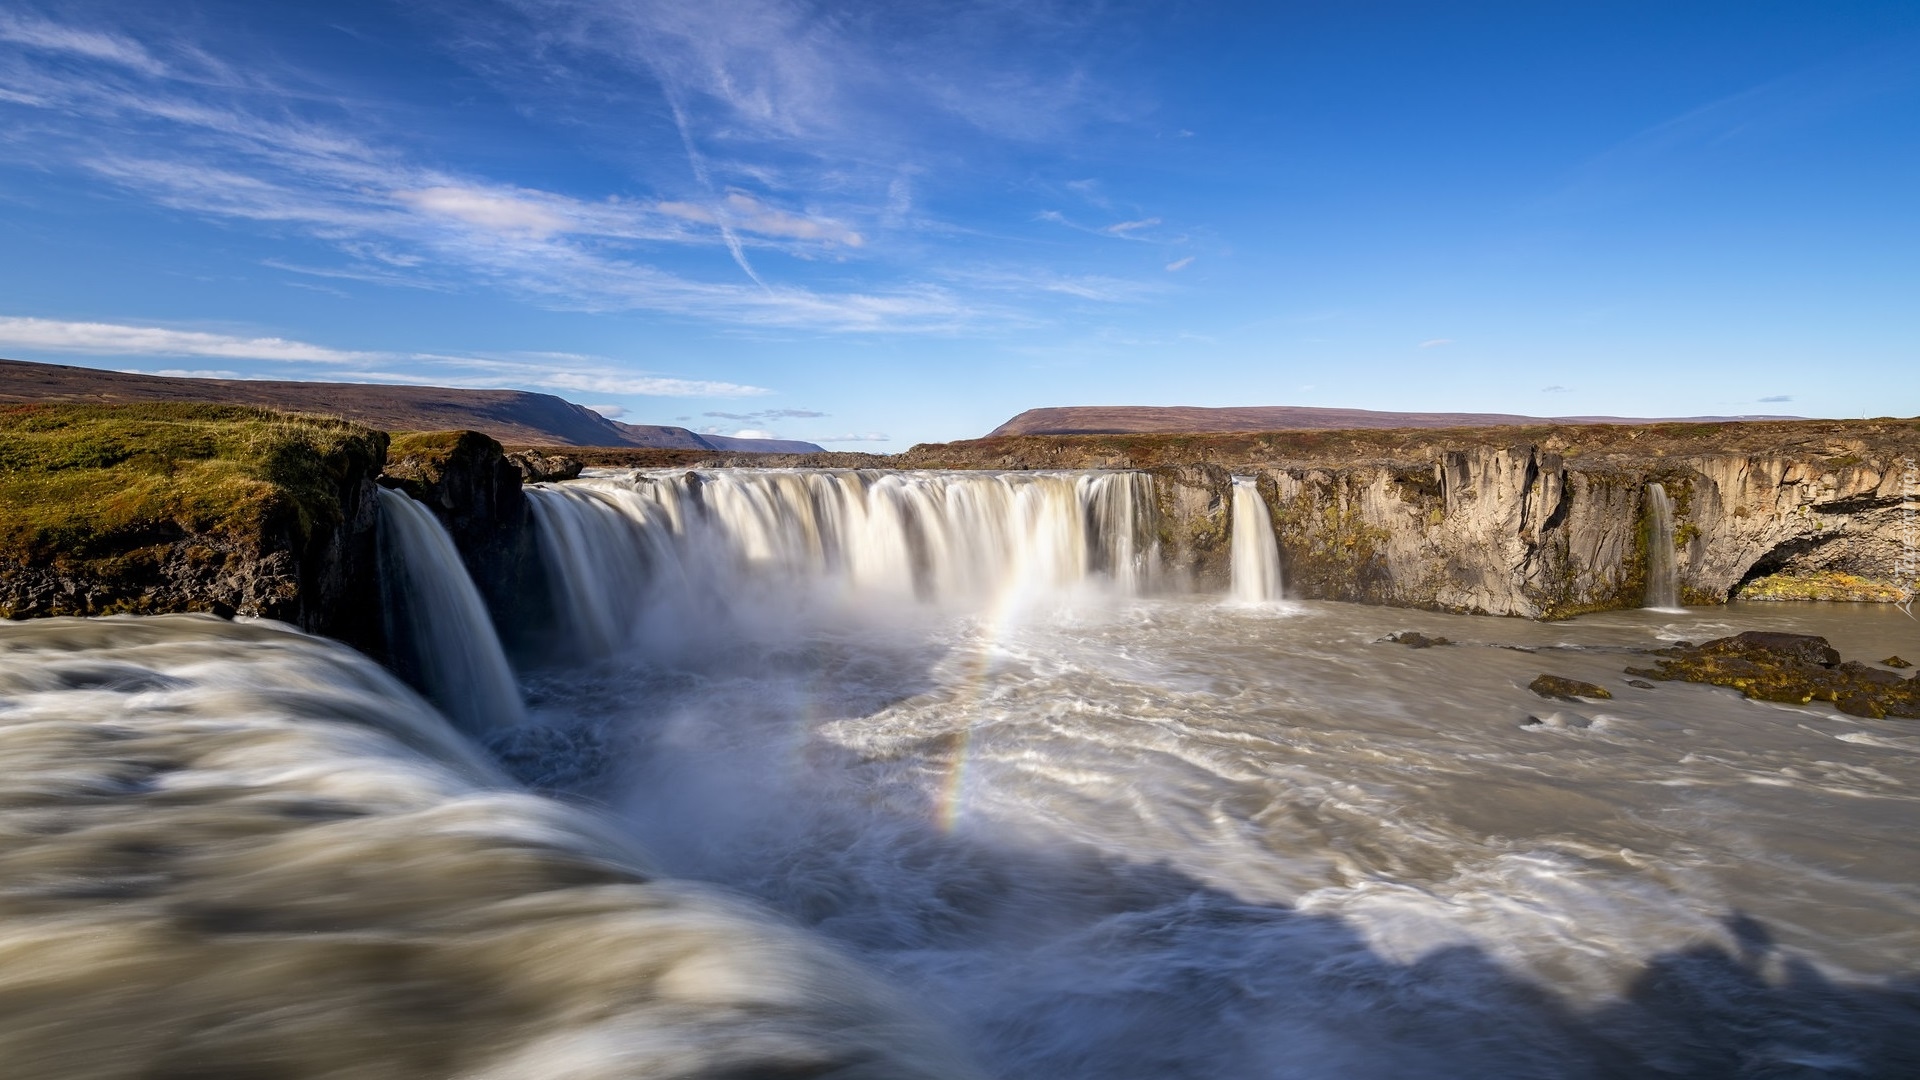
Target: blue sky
[(875, 224)]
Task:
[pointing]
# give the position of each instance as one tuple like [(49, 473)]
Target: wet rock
[(1792, 668), (538, 468), (1556, 686), (468, 482), (1414, 640), (1895, 661), (1640, 684)]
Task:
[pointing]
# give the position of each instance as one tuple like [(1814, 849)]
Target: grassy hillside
[(110, 490)]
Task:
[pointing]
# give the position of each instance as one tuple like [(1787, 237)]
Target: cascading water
[(1662, 586), (438, 627), (672, 546), (1129, 841), (1255, 554)]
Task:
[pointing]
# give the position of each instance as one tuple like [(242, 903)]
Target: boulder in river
[(1556, 686), (1792, 668)]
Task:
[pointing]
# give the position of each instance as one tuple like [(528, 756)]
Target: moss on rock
[(168, 507), (1791, 668), (1558, 686), (1821, 585)]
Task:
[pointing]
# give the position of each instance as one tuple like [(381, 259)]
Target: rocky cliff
[(170, 508), (1545, 521), (474, 489)]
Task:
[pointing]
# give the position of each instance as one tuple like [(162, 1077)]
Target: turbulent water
[(973, 778)]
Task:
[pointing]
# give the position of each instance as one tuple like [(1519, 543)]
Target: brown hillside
[(509, 416), (1181, 419)]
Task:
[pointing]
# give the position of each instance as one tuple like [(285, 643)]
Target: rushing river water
[(810, 808)]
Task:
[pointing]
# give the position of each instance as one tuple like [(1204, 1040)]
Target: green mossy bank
[(154, 508)]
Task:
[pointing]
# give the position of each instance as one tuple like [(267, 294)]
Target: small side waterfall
[(438, 627), (1256, 556), (1662, 586), (620, 548)]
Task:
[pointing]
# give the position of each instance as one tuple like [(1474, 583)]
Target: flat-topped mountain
[(514, 417), (1182, 419)]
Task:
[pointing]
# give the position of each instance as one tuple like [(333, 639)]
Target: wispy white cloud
[(1096, 287), (114, 339), (1659, 153), (1775, 399), (858, 436), (1180, 264), (1434, 343), (769, 414), (751, 215), (92, 44), (583, 374), (611, 412), (1119, 230), (207, 151), (807, 130), (497, 211), (1556, 389)]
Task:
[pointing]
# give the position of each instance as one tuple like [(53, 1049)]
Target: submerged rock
[(1555, 686), (1791, 668), (1640, 684), (1415, 640), (1895, 661)]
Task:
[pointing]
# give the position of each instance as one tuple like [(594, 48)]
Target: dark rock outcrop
[(1415, 640), (541, 468), (1792, 668), (1556, 686), (469, 483)]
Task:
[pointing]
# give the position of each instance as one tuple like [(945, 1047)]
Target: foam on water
[(944, 724), (1123, 836), (232, 850)]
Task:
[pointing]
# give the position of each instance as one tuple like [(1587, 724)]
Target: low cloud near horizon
[(1556, 388), (581, 374), (1435, 343), (766, 414), (1775, 399)]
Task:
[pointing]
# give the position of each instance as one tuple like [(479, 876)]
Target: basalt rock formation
[(474, 488), (1536, 521)]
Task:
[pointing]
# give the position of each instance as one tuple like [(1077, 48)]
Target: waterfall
[(1662, 589), (438, 628), (1256, 556), (617, 547)]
